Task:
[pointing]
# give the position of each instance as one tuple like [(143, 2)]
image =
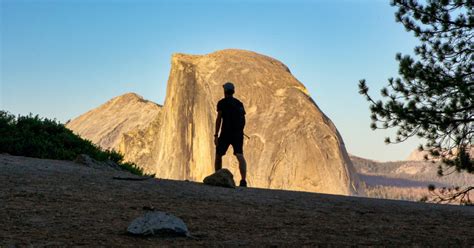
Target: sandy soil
[(61, 203)]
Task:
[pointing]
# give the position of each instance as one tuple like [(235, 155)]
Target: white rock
[(158, 223)]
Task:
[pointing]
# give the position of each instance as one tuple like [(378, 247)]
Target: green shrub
[(37, 137)]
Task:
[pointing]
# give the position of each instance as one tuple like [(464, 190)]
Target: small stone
[(85, 160), (222, 178), (158, 223), (113, 165)]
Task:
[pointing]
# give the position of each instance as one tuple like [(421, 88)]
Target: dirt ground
[(61, 203)]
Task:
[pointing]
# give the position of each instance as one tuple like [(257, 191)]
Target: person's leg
[(221, 149), (218, 162), (238, 144), (242, 166)]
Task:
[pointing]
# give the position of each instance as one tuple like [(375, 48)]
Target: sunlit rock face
[(417, 155), (291, 144), (141, 146), (126, 123)]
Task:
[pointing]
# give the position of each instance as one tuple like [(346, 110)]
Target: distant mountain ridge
[(404, 180), (417, 155)]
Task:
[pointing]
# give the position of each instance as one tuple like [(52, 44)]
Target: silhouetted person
[(231, 112)]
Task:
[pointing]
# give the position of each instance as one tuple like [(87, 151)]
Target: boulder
[(222, 178), (158, 223)]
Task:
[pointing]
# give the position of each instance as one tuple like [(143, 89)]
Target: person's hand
[(216, 140)]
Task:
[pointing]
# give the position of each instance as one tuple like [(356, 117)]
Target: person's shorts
[(223, 143)]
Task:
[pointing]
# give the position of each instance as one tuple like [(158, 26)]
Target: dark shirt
[(233, 116)]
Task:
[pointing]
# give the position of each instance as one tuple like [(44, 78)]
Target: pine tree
[(433, 96)]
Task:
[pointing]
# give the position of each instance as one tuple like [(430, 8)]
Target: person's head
[(229, 89)]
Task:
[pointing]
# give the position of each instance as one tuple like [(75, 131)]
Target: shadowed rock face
[(141, 146), (292, 144)]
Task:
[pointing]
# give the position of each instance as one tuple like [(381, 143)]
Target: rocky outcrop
[(141, 146), (127, 124), (292, 144), (106, 124), (417, 155)]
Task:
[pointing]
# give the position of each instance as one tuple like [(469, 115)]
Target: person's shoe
[(243, 183)]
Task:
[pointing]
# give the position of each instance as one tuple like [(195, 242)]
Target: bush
[(37, 137)]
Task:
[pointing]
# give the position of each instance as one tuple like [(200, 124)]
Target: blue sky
[(60, 59)]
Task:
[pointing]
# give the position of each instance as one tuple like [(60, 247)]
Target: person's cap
[(228, 86)]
